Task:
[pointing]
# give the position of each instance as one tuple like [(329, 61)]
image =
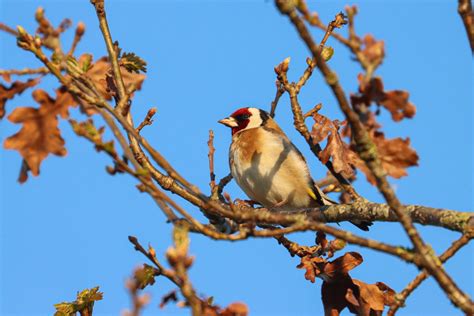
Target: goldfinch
[(268, 167)]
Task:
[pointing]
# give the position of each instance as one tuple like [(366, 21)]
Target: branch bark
[(368, 211)]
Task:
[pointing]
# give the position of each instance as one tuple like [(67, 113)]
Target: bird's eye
[(242, 117)]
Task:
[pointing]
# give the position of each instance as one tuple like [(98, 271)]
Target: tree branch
[(374, 212), (368, 152)]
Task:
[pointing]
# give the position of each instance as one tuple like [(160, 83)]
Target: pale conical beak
[(229, 121)]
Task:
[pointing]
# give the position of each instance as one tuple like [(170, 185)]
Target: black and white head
[(245, 118)]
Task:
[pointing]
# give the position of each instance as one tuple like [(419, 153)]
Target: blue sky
[(67, 229)]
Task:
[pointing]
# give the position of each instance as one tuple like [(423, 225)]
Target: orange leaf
[(7, 93), (313, 267), (39, 135), (342, 265), (100, 73), (235, 309), (342, 157)]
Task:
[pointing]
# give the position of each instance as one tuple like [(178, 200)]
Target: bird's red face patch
[(242, 117)]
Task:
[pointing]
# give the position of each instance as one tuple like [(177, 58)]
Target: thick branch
[(367, 211)]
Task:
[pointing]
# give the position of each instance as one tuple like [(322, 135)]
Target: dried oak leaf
[(39, 135), (235, 309), (341, 266), (341, 291), (18, 87), (395, 101), (313, 267), (395, 154), (333, 294), (328, 247), (100, 72), (342, 156), (369, 299)]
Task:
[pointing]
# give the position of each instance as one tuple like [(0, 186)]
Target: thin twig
[(123, 97), (210, 156), (148, 120), (80, 29), (161, 269), (25, 71), (8, 29), (279, 92)]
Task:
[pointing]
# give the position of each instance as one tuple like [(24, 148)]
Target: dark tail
[(363, 225)]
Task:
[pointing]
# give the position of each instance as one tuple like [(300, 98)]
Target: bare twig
[(8, 29), (104, 27), (279, 92), (80, 29), (25, 71), (210, 156), (148, 120), (295, 248)]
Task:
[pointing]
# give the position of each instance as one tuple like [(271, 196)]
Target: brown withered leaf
[(395, 101), (313, 267), (342, 158), (395, 154), (342, 265), (18, 87), (101, 67), (39, 135), (101, 75), (328, 247), (373, 50), (235, 309), (340, 290), (333, 294), (369, 299), (321, 241)]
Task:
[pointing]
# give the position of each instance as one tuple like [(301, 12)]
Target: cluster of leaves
[(339, 290), (84, 303), (396, 154), (40, 134)]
